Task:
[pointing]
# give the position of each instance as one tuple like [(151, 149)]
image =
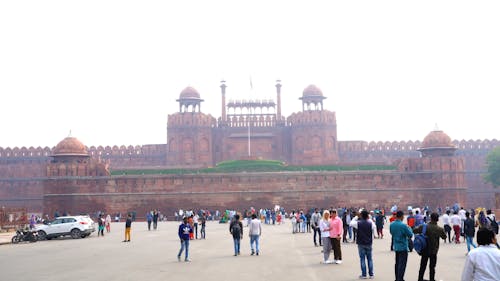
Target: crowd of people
[(334, 226)]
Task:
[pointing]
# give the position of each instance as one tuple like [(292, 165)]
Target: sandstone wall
[(221, 191)]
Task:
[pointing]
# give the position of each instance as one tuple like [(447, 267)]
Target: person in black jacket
[(236, 229), (469, 231), (433, 233), (128, 226), (365, 241)]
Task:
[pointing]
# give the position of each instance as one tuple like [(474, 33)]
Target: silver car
[(75, 226)]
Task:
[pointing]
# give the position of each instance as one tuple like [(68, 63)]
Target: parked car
[(75, 226)]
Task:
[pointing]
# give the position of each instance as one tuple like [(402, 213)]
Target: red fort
[(436, 171)]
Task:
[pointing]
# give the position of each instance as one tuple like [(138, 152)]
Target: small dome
[(189, 93), (70, 146), (437, 139), (312, 91)]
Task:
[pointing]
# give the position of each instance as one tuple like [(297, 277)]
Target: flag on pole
[(251, 84)]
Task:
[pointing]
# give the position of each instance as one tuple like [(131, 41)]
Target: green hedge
[(239, 166)]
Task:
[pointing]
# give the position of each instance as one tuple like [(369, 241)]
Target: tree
[(493, 163)]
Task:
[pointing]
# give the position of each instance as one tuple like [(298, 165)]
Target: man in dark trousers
[(433, 233), (400, 233), (364, 241), (155, 219)]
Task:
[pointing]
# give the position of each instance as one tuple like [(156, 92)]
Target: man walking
[(254, 231), (433, 233), (456, 222), (315, 226), (365, 240), (447, 227), (184, 232), (400, 233), (236, 229), (469, 231)]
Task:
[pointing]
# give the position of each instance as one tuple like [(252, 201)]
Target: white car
[(76, 226)]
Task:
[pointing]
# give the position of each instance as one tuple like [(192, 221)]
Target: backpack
[(420, 241), (236, 229), (494, 225)]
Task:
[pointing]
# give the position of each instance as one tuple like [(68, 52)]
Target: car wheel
[(76, 233), (42, 235)]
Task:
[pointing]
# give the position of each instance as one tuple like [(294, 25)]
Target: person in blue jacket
[(400, 234), (184, 230)]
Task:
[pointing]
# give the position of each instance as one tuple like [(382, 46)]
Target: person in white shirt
[(461, 214), (456, 222), (254, 231), (447, 227), (483, 262)]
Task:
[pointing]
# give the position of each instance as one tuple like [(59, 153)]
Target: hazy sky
[(111, 71)]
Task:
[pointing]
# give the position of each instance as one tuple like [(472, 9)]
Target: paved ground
[(152, 256)]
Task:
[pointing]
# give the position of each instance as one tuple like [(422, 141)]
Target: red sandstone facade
[(75, 178)]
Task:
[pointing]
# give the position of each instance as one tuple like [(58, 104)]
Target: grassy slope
[(251, 166)]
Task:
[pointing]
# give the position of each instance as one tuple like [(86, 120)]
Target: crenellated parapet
[(191, 119), (24, 152), (308, 118)]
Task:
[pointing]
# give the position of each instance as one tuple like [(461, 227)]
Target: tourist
[(379, 222), (461, 214), (100, 228), (155, 219), (482, 220), (108, 223), (303, 222), (293, 219), (191, 223), (365, 239), (354, 221), (336, 230), (400, 233), (419, 219), (324, 226), (236, 230), (308, 222), (433, 233), (149, 219), (345, 225), (196, 218), (185, 230), (410, 220), (315, 218), (456, 222), (254, 231), (469, 231), (447, 227), (128, 226), (492, 221), (203, 222), (483, 262)]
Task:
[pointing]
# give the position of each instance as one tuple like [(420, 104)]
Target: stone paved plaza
[(151, 255)]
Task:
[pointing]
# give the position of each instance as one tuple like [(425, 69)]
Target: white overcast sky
[(111, 71)]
